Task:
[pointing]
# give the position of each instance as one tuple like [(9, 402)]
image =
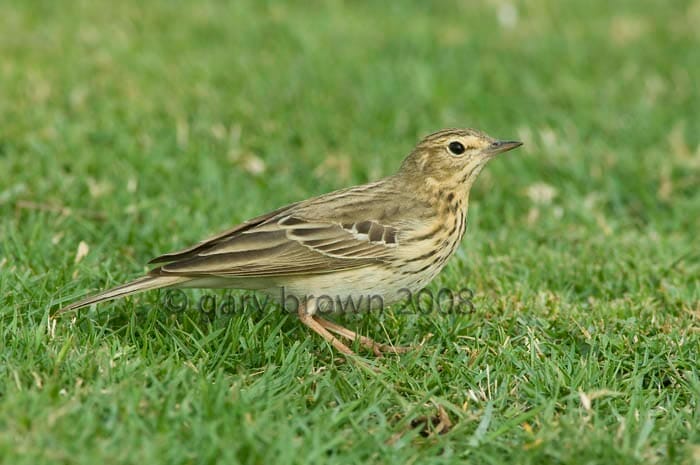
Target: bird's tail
[(145, 283)]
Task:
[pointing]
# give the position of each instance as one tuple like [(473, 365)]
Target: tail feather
[(145, 283)]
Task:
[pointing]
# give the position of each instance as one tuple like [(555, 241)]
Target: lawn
[(130, 129)]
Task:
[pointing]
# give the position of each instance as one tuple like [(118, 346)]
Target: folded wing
[(281, 244)]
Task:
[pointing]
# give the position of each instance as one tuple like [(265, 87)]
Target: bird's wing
[(192, 251), (298, 239)]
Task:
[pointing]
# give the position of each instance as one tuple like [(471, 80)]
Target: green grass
[(139, 129)]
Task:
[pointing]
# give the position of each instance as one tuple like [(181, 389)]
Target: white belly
[(348, 291), (366, 289)]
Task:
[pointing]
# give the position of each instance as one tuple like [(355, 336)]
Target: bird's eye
[(456, 147)]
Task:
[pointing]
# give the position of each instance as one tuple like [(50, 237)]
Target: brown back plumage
[(342, 230)]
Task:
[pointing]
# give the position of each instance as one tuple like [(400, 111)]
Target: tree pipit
[(381, 239)]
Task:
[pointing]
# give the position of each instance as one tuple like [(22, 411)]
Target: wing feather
[(256, 222), (316, 236)]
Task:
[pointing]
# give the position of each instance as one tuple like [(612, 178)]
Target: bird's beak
[(499, 146)]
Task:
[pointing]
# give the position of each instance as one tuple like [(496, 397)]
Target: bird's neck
[(446, 197)]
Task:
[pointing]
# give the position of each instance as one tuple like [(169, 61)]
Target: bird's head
[(453, 158)]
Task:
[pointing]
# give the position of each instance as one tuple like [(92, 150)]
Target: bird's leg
[(374, 346), (312, 323)]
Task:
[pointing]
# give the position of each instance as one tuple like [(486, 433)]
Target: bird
[(383, 238)]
